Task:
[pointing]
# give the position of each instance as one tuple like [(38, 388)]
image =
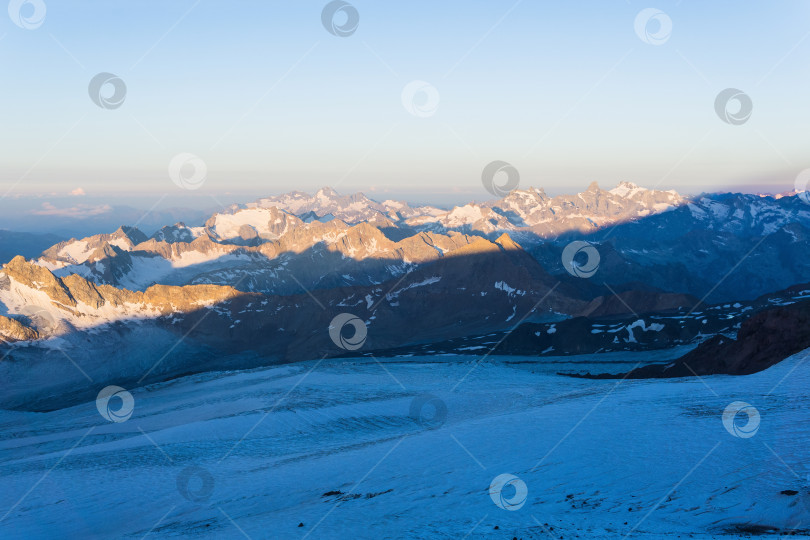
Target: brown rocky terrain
[(14, 330), (447, 294), (763, 340), (297, 259), (532, 211), (125, 238), (70, 292)]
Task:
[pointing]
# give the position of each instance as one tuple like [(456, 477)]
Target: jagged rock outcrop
[(328, 204), (14, 330), (73, 292), (178, 232), (532, 213), (38, 278), (75, 251)]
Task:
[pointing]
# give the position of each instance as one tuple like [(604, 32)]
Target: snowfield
[(340, 447)]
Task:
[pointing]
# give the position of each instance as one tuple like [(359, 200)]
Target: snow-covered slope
[(75, 251), (339, 450), (530, 209), (251, 224), (539, 215)]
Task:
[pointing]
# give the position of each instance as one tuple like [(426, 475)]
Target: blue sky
[(565, 91)]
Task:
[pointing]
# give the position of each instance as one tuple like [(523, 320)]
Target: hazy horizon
[(83, 214), (271, 102)]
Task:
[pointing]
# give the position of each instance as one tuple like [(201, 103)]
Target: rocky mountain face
[(763, 340), (462, 270), (534, 215), (723, 247), (327, 204), (13, 330), (79, 297), (657, 321), (178, 232), (88, 249)]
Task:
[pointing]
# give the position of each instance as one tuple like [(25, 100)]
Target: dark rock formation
[(763, 340)]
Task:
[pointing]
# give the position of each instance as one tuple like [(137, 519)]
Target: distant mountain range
[(260, 283), (276, 245)]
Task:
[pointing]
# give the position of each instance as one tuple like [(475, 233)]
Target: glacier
[(333, 449)]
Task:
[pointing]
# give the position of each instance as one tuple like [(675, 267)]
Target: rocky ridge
[(762, 341)]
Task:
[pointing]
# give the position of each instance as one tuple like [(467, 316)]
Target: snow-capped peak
[(627, 189)]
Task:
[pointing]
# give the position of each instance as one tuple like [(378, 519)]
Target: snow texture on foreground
[(333, 446)]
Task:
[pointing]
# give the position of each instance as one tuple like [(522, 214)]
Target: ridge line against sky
[(82, 215), (272, 102)]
